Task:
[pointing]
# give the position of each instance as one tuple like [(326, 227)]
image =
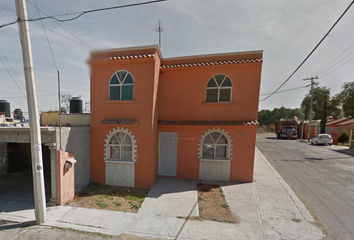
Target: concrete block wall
[(120, 173), (76, 140), (214, 170), (4, 159)]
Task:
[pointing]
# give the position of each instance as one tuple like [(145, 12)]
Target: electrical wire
[(287, 90), (51, 30), (46, 36), (12, 70), (323, 72), (338, 67), (313, 50), (84, 12), (12, 77), (59, 26), (318, 72)]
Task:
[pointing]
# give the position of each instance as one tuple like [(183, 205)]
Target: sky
[(285, 30)]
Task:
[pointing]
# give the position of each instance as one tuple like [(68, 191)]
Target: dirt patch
[(98, 196), (212, 204)]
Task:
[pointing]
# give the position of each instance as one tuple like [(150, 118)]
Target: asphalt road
[(321, 176)]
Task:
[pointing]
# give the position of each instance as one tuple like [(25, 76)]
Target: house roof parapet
[(119, 121), (210, 123), (202, 64)]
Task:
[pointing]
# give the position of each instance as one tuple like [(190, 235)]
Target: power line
[(336, 63), (84, 12), (12, 70), (46, 36), (318, 72), (287, 90), (59, 34), (12, 77), (313, 50), (338, 68), (59, 26)]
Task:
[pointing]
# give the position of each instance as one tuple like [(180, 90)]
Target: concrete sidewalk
[(267, 209)]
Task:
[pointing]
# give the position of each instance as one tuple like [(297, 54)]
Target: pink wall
[(65, 177)]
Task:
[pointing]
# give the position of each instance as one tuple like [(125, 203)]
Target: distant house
[(189, 117), (336, 128)]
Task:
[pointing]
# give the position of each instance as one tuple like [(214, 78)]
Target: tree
[(322, 105), (343, 138), (65, 101), (87, 108), (346, 99), (266, 116)]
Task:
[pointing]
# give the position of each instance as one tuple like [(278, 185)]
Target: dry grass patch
[(98, 196), (212, 204)]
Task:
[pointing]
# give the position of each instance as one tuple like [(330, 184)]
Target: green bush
[(343, 138)]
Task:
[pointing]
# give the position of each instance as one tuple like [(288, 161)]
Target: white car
[(322, 138)]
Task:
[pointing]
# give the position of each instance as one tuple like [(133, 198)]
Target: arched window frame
[(121, 84), (219, 88), (108, 145), (229, 145)]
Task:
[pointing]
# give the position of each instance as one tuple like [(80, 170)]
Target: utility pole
[(311, 102), (35, 131), (159, 29)]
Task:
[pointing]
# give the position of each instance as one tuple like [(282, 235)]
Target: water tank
[(76, 105), (5, 108), (18, 114)]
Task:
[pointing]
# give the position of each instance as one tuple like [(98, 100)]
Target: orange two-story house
[(189, 117)]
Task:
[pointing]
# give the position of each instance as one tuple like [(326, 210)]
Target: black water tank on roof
[(5, 108), (18, 114), (76, 105)]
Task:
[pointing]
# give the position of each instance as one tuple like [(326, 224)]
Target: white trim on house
[(229, 143), (107, 144)]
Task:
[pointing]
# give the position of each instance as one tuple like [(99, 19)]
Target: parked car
[(322, 138)]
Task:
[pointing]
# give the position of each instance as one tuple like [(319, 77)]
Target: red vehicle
[(286, 128)]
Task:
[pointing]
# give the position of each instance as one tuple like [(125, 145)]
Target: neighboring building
[(189, 117), (336, 128), (15, 150), (304, 128)]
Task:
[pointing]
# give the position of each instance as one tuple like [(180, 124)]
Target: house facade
[(190, 117)]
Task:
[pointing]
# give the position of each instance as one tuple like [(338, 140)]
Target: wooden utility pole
[(311, 102), (35, 131)]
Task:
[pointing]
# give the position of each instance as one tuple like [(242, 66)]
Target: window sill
[(215, 160), (218, 103), (119, 101), (118, 161)]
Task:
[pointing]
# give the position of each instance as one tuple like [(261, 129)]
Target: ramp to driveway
[(171, 198)]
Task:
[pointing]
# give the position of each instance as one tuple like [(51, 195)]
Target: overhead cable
[(287, 90), (85, 12), (12, 77), (319, 71), (35, 5), (313, 50), (338, 67)]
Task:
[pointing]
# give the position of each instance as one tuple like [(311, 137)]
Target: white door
[(168, 154)]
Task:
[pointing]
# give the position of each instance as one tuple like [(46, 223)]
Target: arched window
[(215, 144), (219, 89), (121, 147), (121, 86)]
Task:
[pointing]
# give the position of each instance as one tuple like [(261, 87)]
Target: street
[(321, 176)]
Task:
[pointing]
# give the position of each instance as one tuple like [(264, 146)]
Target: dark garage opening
[(20, 172)]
